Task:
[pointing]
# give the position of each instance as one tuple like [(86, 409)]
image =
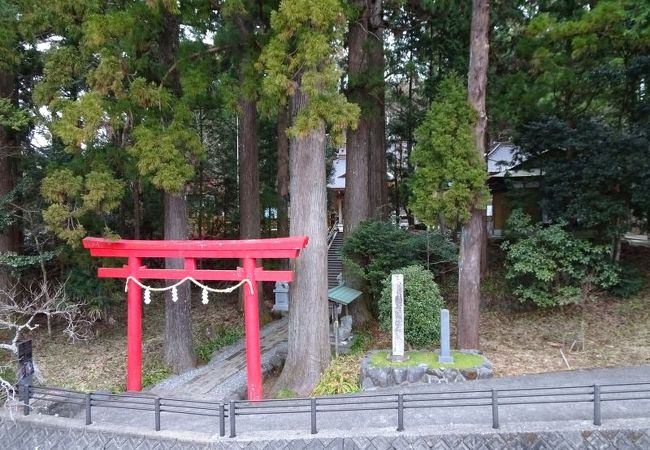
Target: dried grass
[(517, 341), (99, 364)]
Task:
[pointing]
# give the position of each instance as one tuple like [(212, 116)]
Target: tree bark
[(469, 281), (357, 202), (178, 348), (137, 209), (179, 351), (9, 235), (357, 166), (309, 351), (377, 189), (484, 246), (249, 183), (469, 265), (283, 173)]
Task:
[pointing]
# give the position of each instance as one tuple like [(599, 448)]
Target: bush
[(375, 248), (341, 377), (225, 336), (631, 281), (549, 266), (361, 341), (422, 304), (154, 374)]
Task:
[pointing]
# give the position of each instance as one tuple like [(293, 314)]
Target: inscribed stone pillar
[(445, 350), (397, 282)]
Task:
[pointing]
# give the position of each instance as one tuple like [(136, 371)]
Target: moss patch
[(461, 360)]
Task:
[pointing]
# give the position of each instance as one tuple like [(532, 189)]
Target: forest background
[(196, 119)]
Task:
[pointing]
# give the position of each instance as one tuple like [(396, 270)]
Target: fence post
[(156, 407), (231, 415), (23, 397), (88, 406), (597, 417), (222, 420), (313, 416), (495, 409), (400, 412)]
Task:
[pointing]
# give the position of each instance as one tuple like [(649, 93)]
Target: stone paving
[(224, 378)]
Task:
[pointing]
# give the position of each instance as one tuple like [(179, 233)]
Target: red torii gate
[(247, 250)]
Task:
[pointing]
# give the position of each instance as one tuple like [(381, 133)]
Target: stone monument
[(445, 350), (397, 284)]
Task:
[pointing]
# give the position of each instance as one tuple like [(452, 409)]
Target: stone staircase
[(334, 263)]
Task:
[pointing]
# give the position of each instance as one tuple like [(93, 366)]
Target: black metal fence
[(492, 400)]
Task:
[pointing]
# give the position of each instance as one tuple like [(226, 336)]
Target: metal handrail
[(398, 402), (331, 234)]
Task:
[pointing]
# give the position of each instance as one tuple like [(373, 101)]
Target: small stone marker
[(281, 296), (397, 282), (445, 351)]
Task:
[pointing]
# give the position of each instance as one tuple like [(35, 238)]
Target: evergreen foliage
[(571, 60), (422, 304), (550, 267), (595, 176), (376, 248), (302, 52), (449, 175)]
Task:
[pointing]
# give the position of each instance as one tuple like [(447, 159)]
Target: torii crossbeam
[(248, 251)]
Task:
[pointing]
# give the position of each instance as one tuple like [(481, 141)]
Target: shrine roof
[(343, 294)]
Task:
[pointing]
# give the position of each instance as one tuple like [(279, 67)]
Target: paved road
[(441, 418)]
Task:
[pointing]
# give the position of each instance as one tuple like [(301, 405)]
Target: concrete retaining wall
[(43, 432)]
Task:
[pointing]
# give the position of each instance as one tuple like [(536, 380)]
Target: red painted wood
[(134, 331), (199, 254), (189, 264), (252, 328), (210, 249), (198, 274), (190, 251)]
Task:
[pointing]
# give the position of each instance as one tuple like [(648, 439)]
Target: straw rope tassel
[(174, 288)]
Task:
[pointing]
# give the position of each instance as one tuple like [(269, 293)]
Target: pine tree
[(473, 233), (300, 66), (131, 103), (10, 122)]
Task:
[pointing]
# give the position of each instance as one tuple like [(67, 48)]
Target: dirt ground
[(100, 363), (516, 340)]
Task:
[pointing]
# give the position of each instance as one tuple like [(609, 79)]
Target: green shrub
[(376, 248), (422, 304), (225, 336), (341, 377), (154, 374), (286, 393), (548, 266), (631, 281), (361, 341)]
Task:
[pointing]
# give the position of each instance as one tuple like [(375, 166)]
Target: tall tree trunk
[(469, 281), (178, 348), (377, 189), (283, 173), (469, 265), (357, 202), (9, 235), (137, 209), (309, 351), (484, 246), (249, 183), (179, 351)]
